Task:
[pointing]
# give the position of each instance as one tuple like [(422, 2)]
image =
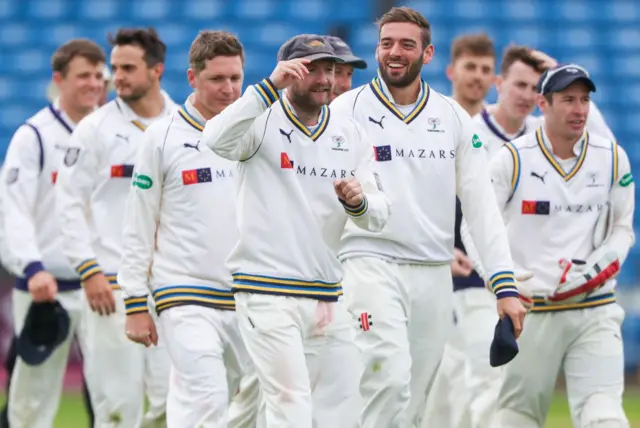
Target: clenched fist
[(349, 191), (286, 72), (141, 329)]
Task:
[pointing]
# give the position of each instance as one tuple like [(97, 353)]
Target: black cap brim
[(564, 82), (354, 61), (33, 353)]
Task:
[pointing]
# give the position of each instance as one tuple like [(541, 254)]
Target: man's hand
[(547, 61), (349, 190), (461, 264), (140, 328), (512, 308), (286, 72), (99, 294), (43, 287)]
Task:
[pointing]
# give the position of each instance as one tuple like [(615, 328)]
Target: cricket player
[(31, 235), (567, 197), (93, 184), (398, 281), (180, 226), (53, 92), (322, 350), (344, 70), (303, 174), (472, 73)]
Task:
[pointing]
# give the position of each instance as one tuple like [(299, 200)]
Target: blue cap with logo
[(559, 78), (309, 46), (46, 327), (345, 53)]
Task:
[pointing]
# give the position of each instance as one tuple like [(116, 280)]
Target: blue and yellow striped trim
[(376, 88), (139, 125), (356, 211), (267, 92), (539, 304), (88, 268), (319, 290), (180, 295), (182, 111), (614, 163), (113, 281), (515, 177), (552, 159), (135, 305), (323, 121), (503, 284)]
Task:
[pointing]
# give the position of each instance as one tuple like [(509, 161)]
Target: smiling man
[(398, 281), (309, 171), (92, 187)]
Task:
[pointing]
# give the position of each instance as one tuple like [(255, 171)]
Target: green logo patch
[(626, 180), (142, 181), (475, 141)]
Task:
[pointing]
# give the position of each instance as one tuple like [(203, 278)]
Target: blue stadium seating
[(603, 36)]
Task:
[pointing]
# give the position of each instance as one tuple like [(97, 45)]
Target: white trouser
[(289, 351), (36, 390), (118, 371), (407, 315), (205, 347), (243, 409), (466, 388), (323, 354), (587, 344)]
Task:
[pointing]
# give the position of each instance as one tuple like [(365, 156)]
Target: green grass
[(72, 414)]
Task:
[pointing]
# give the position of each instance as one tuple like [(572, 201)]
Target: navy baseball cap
[(343, 51), (559, 78), (308, 46), (504, 347), (45, 328)]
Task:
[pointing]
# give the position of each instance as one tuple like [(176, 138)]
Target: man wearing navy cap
[(567, 198), (344, 71), (317, 169)]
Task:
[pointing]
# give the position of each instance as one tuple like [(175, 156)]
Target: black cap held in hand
[(46, 327), (504, 347), (308, 46)]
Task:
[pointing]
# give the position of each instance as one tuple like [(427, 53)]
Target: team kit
[(306, 254)]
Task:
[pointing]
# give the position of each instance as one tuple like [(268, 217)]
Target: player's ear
[(57, 78), (542, 102), (449, 72), (499, 80), (428, 54), (191, 77), (158, 70)]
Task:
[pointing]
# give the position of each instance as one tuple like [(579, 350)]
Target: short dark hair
[(84, 48), (406, 14), (514, 53), (146, 39), (472, 44), (210, 44)]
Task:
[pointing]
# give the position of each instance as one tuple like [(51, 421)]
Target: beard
[(137, 93), (305, 101), (413, 71)]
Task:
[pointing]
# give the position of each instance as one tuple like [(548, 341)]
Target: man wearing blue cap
[(344, 71), (567, 198), (303, 174)]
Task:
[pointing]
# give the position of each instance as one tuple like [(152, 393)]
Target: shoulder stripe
[(39, 137), (515, 177)]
